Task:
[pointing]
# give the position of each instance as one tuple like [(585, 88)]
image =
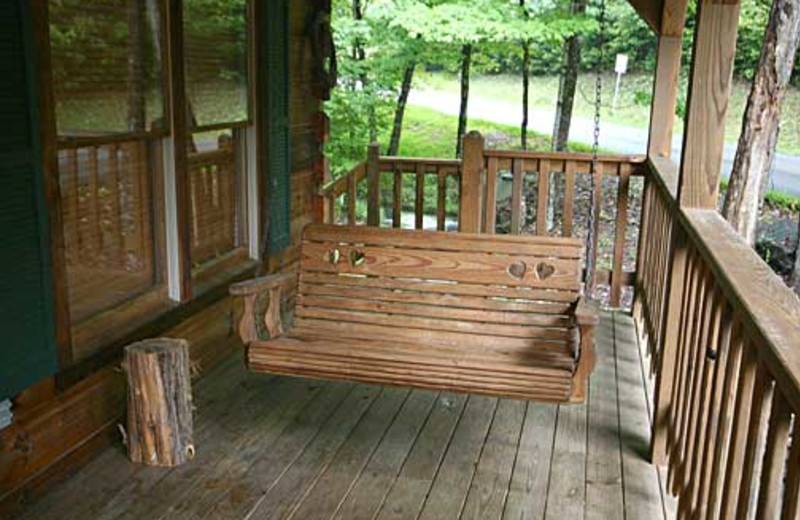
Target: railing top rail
[(767, 308), (760, 299), (337, 187), (560, 156), (399, 161)]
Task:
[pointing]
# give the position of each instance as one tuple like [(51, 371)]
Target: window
[(109, 83)]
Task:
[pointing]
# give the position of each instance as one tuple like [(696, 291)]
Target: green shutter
[(275, 114), (27, 350)]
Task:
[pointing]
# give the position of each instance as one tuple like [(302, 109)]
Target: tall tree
[(466, 61), (568, 82), (526, 70), (360, 55), (400, 109), (794, 281), (760, 125)]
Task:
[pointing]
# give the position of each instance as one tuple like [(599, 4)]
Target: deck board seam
[(516, 456), (388, 490), (299, 454), (477, 460), (367, 460)]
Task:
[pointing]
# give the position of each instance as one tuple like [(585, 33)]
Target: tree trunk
[(526, 70), (136, 87), (526, 67), (160, 431), (400, 111), (360, 55), (466, 60), (760, 125), (794, 281), (568, 85)]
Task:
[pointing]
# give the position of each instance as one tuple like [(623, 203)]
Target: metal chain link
[(598, 99)]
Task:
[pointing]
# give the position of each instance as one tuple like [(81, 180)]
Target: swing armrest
[(263, 284), (245, 305), (584, 319), (585, 313)]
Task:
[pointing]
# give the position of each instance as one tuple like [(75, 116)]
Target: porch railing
[(516, 192), (724, 332)]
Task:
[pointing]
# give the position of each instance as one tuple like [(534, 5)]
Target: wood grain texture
[(707, 103)]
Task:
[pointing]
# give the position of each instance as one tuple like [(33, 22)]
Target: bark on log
[(761, 123), (160, 431)]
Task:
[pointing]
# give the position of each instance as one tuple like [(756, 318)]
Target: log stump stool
[(159, 402)]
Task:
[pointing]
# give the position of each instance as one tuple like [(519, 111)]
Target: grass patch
[(429, 133), (773, 199), (633, 106)]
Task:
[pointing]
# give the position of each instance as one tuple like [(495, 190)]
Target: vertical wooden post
[(374, 185), (665, 374), (665, 86), (178, 124), (707, 102), (47, 138), (472, 164)]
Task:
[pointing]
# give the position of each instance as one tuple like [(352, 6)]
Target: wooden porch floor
[(283, 447)]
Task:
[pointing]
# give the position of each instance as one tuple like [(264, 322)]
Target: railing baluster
[(490, 206), (597, 202), (419, 203), (95, 227), (762, 393), (621, 228), (746, 391), (772, 471), (351, 200), (727, 399), (441, 199), (543, 197), (569, 197), (516, 196), (397, 207), (791, 498)]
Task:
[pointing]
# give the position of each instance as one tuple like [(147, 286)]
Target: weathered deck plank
[(293, 448)]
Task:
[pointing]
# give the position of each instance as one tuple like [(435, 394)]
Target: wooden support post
[(40, 16), (180, 135), (665, 86), (707, 102), (160, 431), (665, 374), (374, 185), (472, 165)]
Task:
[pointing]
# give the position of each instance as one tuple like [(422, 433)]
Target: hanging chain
[(591, 239)]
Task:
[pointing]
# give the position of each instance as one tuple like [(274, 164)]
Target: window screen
[(108, 84), (215, 54), (107, 65)]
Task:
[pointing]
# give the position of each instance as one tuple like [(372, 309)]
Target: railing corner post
[(472, 166), (373, 185)]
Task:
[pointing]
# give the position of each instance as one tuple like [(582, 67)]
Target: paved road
[(622, 139)]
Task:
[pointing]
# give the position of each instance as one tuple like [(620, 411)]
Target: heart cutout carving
[(357, 258), (517, 270), (544, 270), (332, 256)]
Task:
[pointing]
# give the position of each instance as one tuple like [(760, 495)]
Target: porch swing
[(496, 315)]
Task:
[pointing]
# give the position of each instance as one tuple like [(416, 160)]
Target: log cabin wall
[(63, 421)]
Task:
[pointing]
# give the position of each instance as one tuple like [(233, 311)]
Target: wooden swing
[(484, 314)]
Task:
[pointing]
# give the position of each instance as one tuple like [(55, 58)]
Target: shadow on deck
[(284, 447)]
